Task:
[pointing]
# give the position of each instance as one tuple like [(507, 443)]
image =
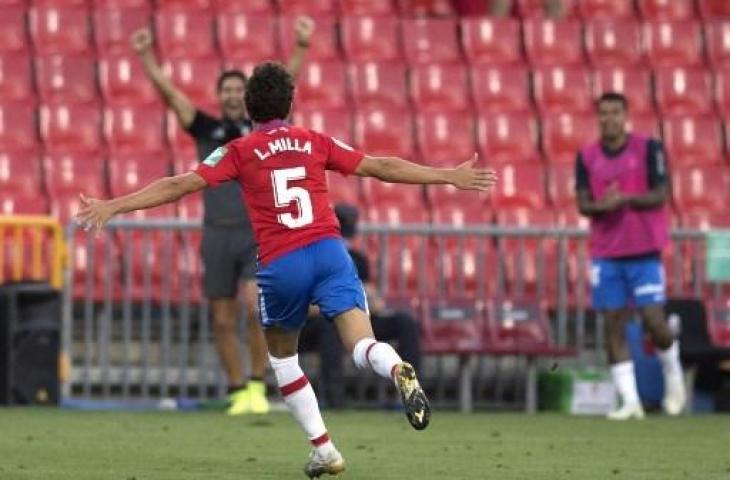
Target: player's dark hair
[(613, 97), (226, 74), (269, 92)]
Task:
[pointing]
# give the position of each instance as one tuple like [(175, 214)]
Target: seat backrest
[(667, 10), (438, 87), (114, 25), (381, 131), (13, 31), (508, 137), (491, 41), (634, 82), (70, 78), (322, 84), (246, 35), (445, 138), (550, 42), (323, 45), (57, 29), (370, 38), (430, 40), (17, 78), (500, 88), (563, 89), (184, 33), (677, 43), (614, 42), (378, 84)]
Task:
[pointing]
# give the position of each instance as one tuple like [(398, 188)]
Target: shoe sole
[(319, 470), (418, 409)]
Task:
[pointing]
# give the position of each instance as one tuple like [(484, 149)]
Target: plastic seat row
[(191, 33)]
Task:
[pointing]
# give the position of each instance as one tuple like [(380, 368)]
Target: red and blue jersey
[(282, 171)]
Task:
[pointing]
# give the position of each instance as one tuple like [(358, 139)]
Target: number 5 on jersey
[(284, 195)]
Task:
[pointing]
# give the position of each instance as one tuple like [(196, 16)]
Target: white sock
[(669, 359), (379, 356), (625, 381), (299, 397)]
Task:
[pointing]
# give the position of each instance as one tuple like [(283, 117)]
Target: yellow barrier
[(36, 226)]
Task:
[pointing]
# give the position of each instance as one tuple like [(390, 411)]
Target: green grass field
[(43, 444)]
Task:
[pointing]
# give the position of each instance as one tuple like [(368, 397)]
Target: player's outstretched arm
[(95, 213), (179, 102), (304, 28), (396, 170)]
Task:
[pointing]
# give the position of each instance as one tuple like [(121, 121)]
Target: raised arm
[(396, 170), (95, 213), (179, 102), (304, 27)]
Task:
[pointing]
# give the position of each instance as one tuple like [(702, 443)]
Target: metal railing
[(136, 325)]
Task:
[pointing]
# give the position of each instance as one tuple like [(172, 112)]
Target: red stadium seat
[(114, 25), (722, 92), (371, 38), (191, 207), (717, 42), (632, 81), (72, 173), (308, 7), (366, 7), (120, 3), (667, 9), (376, 192), (56, 29), (520, 185), (440, 87), (691, 184), (508, 137), (563, 89), (425, 8), (614, 42), (13, 33), (343, 189), (706, 219), (521, 327), (134, 129), (673, 43), (249, 6), (490, 40), (548, 42), (16, 75), (454, 325), (323, 45), (564, 134), (68, 127), (394, 213), (714, 8), (683, 90), (16, 204), (378, 84), (693, 140), (445, 138), (322, 85), (122, 80), (470, 209), (430, 40), (184, 33), (245, 35), (336, 122), (130, 172), (20, 172), (536, 8), (18, 126), (500, 88), (197, 77), (380, 131), (561, 185), (180, 141), (591, 9), (644, 124), (69, 78)]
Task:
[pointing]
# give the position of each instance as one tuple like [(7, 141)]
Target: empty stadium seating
[(508, 137), (247, 36), (134, 129), (323, 45), (184, 32), (16, 74), (366, 38), (122, 80), (430, 40), (17, 126), (549, 42), (666, 9), (196, 77), (717, 33), (129, 172), (490, 41), (614, 9), (113, 25), (677, 43), (563, 89), (384, 131), (632, 81), (56, 29), (70, 78), (613, 42), (74, 127), (714, 8), (520, 185), (683, 90), (690, 185), (20, 173), (445, 138), (500, 88), (322, 85), (693, 140), (378, 84), (367, 7), (336, 122), (439, 87), (564, 134), (13, 32)]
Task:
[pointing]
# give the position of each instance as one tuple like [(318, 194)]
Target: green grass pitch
[(46, 444)]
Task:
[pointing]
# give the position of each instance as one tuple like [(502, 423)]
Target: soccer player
[(302, 258), (228, 248), (622, 185)]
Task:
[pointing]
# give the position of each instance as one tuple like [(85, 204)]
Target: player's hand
[(141, 40), (613, 199), (304, 28), (94, 214), (468, 177)]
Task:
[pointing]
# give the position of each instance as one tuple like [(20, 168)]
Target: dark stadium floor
[(56, 444)]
